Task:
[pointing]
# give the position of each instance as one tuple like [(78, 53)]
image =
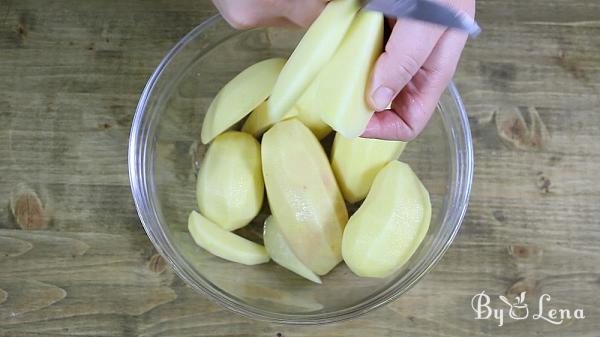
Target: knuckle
[(241, 20), (439, 76), (442, 74), (406, 67)]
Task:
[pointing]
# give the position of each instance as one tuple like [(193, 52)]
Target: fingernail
[(382, 97)]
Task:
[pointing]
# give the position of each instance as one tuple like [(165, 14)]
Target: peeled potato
[(343, 81), (230, 186), (259, 121), (224, 244), (314, 50), (303, 195), (356, 162), (390, 224), (240, 96), (280, 251), (309, 112)]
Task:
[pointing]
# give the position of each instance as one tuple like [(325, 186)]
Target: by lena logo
[(519, 310)]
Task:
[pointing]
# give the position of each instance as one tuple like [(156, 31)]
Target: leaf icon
[(521, 298)]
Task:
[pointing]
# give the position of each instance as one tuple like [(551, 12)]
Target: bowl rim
[(462, 166)]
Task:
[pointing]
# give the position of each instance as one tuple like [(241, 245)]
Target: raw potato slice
[(356, 162), (224, 244), (343, 81), (309, 112), (303, 195), (240, 96), (258, 122), (312, 53), (390, 224), (230, 186), (281, 253)]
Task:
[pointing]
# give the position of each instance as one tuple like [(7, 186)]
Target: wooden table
[(74, 260)]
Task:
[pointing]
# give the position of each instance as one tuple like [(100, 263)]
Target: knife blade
[(425, 10)]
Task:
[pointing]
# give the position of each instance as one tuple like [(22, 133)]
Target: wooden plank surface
[(74, 260)]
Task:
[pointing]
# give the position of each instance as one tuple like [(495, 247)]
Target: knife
[(425, 10)]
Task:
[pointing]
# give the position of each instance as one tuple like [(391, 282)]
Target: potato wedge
[(312, 53), (310, 110), (224, 244), (282, 254), (342, 83), (356, 162), (259, 121), (240, 96), (230, 186), (390, 224), (303, 194)]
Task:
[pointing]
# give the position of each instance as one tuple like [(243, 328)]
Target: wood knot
[(499, 75), (543, 183), (523, 285), (554, 160), (499, 215), (523, 251), (573, 67), (524, 131), (157, 264), (27, 208), (21, 30), (520, 251)]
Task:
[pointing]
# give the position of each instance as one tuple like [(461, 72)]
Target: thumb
[(408, 47)]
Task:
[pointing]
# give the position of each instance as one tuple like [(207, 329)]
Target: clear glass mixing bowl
[(165, 151)]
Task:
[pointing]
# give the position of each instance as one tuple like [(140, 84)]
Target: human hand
[(243, 14), (412, 73), (418, 63)]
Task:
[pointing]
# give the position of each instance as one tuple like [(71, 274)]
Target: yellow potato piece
[(356, 162), (309, 112), (240, 96), (230, 186), (390, 224), (224, 244), (312, 53), (303, 195), (259, 121), (343, 81), (282, 254)]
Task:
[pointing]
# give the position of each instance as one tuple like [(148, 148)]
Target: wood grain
[(74, 260)]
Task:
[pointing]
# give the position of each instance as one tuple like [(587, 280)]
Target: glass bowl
[(165, 152)]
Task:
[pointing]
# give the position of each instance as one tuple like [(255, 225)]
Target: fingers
[(408, 47), (415, 104), (249, 14), (254, 13), (386, 125), (302, 13)]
